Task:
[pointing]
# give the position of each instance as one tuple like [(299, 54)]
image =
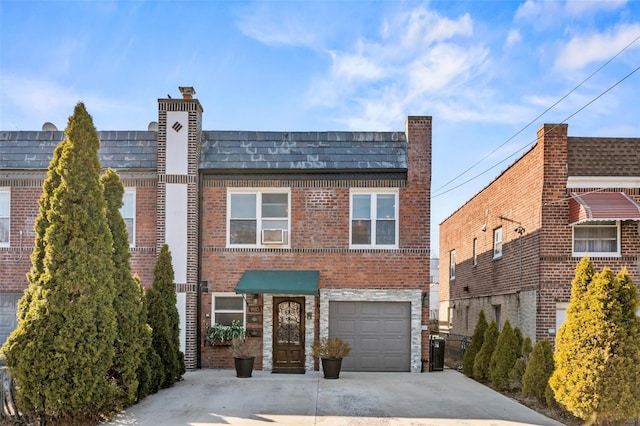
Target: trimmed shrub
[(504, 357), (516, 373), (483, 358), (164, 319), (535, 381), (474, 347), (150, 370)]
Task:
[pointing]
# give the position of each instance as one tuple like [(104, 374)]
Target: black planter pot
[(244, 367), (331, 367)]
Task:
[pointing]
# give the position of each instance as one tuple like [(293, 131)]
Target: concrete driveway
[(213, 397)]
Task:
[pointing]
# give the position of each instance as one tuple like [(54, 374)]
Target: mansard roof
[(225, 151)]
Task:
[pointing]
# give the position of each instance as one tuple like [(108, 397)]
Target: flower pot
[(331, 367), (244, 367)]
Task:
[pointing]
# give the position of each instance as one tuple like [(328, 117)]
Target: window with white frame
[(561, 315), (497, 243), (452, 264), (374, 218), (128, 213), (5, 213), (598, 239), (227, 308), (258, 218)]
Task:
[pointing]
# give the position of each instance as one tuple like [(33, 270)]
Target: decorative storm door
[(288, 335)]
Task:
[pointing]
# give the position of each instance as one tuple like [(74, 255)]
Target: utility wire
[(534, 141), (535, 119)]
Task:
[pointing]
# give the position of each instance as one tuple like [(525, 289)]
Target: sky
[(488, 72)]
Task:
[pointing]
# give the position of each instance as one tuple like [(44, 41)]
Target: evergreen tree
[(128, 300), (504, 357), (597, 354), (164, 319), (483, 358), (474, 347), (535, 380), (150, 369), (516, 373), (62, 348)]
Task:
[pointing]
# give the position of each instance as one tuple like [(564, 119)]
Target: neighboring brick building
[(297, 234), (512, 249)]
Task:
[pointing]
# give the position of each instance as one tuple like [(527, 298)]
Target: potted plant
[(224, 334), (244, 351), (331, 350)]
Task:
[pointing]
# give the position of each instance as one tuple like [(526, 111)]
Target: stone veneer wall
[(378, 295)]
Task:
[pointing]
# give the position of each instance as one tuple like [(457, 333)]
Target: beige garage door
[(379, 334)]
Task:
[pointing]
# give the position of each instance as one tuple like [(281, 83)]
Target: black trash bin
[(436, 353)]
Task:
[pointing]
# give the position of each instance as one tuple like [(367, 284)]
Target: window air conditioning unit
[(274, 236)]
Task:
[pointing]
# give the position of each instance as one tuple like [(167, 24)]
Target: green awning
[(279, 282)]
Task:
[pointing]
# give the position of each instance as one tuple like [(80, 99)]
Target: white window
[(561, 315), (5, 213), (497, 243), (227, 308), (258, 218), (452, 264), (374, 219), (597, 239), (128, 213)]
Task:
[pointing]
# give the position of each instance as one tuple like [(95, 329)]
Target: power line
[(535, 119), (534, 141)]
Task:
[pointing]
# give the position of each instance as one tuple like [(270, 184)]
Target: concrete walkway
[(212, 397)]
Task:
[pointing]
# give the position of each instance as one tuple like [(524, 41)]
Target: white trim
[(596, 224), (7, 190), (132, 235), (375, 191), (228, 311), (603, 182), (497, 230)]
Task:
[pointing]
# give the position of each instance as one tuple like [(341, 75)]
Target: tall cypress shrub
[(164, 319), (474, 347), (597, 356), (128, 300), (483, 358), (504, 357), (62, 348)]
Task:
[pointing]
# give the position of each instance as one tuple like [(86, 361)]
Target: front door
[(288, 335)]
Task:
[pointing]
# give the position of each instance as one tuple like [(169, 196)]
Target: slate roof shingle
[(224, 150)]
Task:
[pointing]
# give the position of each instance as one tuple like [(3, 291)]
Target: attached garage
[(378, 332)]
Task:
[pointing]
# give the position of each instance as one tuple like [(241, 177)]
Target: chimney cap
[(187, 92)]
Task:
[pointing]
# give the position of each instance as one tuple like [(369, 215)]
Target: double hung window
[(452, 265), (128, 213), (258, 218), (497, 243), (374, 220)]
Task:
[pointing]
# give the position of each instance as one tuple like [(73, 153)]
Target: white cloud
[(582, 7), (540, 12), (587, 48), (513, 38)]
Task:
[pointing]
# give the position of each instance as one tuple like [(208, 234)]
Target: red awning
[(602, 206)]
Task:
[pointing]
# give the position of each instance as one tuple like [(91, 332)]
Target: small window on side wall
[(452, 264), (497, 243)]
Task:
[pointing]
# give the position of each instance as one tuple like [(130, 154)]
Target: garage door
[(379, 334)]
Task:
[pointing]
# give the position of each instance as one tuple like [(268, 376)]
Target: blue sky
[(483, 69)]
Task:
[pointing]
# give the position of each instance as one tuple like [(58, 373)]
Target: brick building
[(512, 249), (298, 235)]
